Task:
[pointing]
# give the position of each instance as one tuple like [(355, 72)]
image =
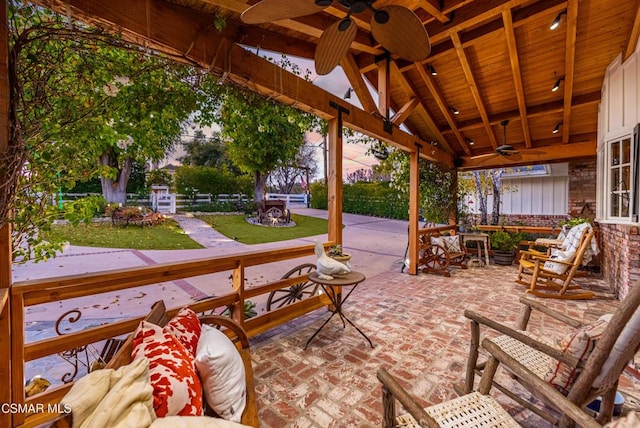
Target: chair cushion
[(222, 370), (450, 243), (579, 344), (176, 387), (185, 327), (562, 256)]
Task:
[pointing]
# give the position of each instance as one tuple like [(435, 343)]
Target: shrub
[(212, 181)]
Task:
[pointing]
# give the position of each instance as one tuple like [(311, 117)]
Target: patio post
[(334, 189), (5, 230), (414, 206)]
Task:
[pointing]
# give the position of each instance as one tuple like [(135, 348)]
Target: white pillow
[(222, 373), (193, 422), (562, 256)]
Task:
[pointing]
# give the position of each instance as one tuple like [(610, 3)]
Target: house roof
[(496, 60)]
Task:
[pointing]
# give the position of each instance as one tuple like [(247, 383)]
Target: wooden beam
[(358, 83), (5, 229), (633, 39), (471, 81), (384, 83), (517, 75), (433, 10), (414, 209), (569, 67), (405, 111), (181, 29), (437, 95), (538, 155), (334, 188)]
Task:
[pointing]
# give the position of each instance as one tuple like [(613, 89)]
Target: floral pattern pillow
[(185, 327), (176, 387)]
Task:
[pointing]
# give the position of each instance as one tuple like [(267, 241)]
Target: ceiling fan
[(505, 150), (397, 28)]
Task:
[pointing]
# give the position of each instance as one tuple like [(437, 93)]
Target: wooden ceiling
[(496, 60)]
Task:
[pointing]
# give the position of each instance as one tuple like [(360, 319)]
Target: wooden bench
[(436, 258)]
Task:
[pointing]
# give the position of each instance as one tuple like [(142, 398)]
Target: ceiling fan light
[(556, 85), (454, 110), (557, 128), (556, 22), (359, 6), (323, 3)]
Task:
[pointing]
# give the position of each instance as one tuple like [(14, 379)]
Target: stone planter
[(503, 259)]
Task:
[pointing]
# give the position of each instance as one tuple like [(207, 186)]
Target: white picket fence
[(170, 203)]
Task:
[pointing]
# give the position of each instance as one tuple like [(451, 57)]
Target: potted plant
[(335, 252), (504, 245)]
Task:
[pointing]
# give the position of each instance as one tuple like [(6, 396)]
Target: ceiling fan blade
[(485, 156), (333, 45), (403, 34), (275, 10)]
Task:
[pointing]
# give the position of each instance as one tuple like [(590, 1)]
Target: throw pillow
[(579, 344), (562, 256), (452, 243), (176, 387), (185, 327), (194, 422), (220, 366)]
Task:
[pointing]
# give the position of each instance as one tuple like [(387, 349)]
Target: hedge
[(369, 198)]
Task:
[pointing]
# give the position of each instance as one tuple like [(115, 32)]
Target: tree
[(283, 178), (261, 134), (211, 152), (85, 104), (483, 183)]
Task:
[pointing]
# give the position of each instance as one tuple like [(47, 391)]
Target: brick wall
[(620, 256), (582, 188)]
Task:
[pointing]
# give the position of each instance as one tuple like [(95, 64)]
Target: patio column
[(414, 208), (5, 231), (334, 188)]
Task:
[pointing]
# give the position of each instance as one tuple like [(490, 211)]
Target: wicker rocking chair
[(598, 376)]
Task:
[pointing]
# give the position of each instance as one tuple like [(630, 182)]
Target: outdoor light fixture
[(432, 70), (454, 110), (347, 94), (556, 22), (556, 86), (557, 128)]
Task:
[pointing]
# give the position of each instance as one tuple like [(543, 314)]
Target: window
[(620, 179)]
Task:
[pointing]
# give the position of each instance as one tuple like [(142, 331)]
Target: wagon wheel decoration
[(119, 218), (435, 257), (289, 295)]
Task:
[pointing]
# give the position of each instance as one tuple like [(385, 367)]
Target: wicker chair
[(600, 373)]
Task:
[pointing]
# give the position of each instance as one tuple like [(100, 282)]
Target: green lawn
[(236, 227), (166, 236)]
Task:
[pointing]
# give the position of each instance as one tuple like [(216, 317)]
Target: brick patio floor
[(420, 336)]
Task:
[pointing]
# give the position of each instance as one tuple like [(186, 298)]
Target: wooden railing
[(35, 292)]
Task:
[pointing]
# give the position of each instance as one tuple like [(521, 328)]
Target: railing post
[(237, 311)]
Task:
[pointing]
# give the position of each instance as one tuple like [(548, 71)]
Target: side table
[(480, 238), (351, 279)]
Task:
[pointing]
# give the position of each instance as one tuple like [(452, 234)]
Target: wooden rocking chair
[(599, 375), (551, 276)]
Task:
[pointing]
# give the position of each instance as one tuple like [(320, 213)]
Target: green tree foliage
[(436, 201), (203, 151), (210, 180), (85, 104)]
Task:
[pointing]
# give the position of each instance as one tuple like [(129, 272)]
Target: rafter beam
[(180, 29), (433, 10), (384, 84), (633, 39), (569, 67), (405, 111), (358, 83), (473, 87), (436, 93), (517, 74)]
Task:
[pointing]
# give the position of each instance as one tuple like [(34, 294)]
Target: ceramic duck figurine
[(326, 266)]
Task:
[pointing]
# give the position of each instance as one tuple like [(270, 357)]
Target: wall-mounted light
[(557, 128), (556, 22), (347, 94), (470, 142), (432, 70), (556, 85), (454, 110)]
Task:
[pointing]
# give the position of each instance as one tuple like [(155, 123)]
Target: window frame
[(617, 190)]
